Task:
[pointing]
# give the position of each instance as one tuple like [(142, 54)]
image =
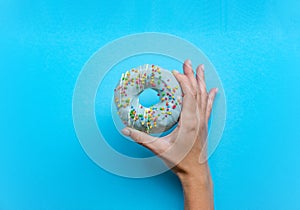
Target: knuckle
[(203, 127), (191, 91), (137, 138), (203, 86), (204, 96), (194, 92), (159, 151)]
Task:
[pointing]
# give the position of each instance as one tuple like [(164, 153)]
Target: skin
[(184, 150)]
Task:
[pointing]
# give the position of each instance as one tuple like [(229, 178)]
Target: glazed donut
[(156, 118)]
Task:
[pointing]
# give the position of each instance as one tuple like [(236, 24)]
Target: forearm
[(198, 190)]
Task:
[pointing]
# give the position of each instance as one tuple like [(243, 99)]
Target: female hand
[(184, 150)]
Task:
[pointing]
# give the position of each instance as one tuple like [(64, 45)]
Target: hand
[(184, 150)]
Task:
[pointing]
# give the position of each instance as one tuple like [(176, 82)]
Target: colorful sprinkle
[(137, 80)]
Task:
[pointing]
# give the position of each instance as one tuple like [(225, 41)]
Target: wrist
[(198, 189), (198, 176)]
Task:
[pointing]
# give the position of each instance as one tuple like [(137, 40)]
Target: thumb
[(150, 142)]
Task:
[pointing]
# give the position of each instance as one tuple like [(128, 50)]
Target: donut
[(157, 118)]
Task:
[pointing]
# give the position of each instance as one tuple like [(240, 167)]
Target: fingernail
[(217, 90), (126, 132), (175, 72), (189, 62), (202, 67)]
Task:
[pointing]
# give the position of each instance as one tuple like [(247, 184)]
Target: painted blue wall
[(254, 46)]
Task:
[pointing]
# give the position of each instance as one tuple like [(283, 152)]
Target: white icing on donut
[(156, 118)]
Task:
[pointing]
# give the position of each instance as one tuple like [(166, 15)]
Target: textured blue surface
[(254, 46)]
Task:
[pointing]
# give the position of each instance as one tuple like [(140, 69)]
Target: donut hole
[(149, 97)]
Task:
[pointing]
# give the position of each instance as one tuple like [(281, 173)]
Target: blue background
[(254, 46)]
